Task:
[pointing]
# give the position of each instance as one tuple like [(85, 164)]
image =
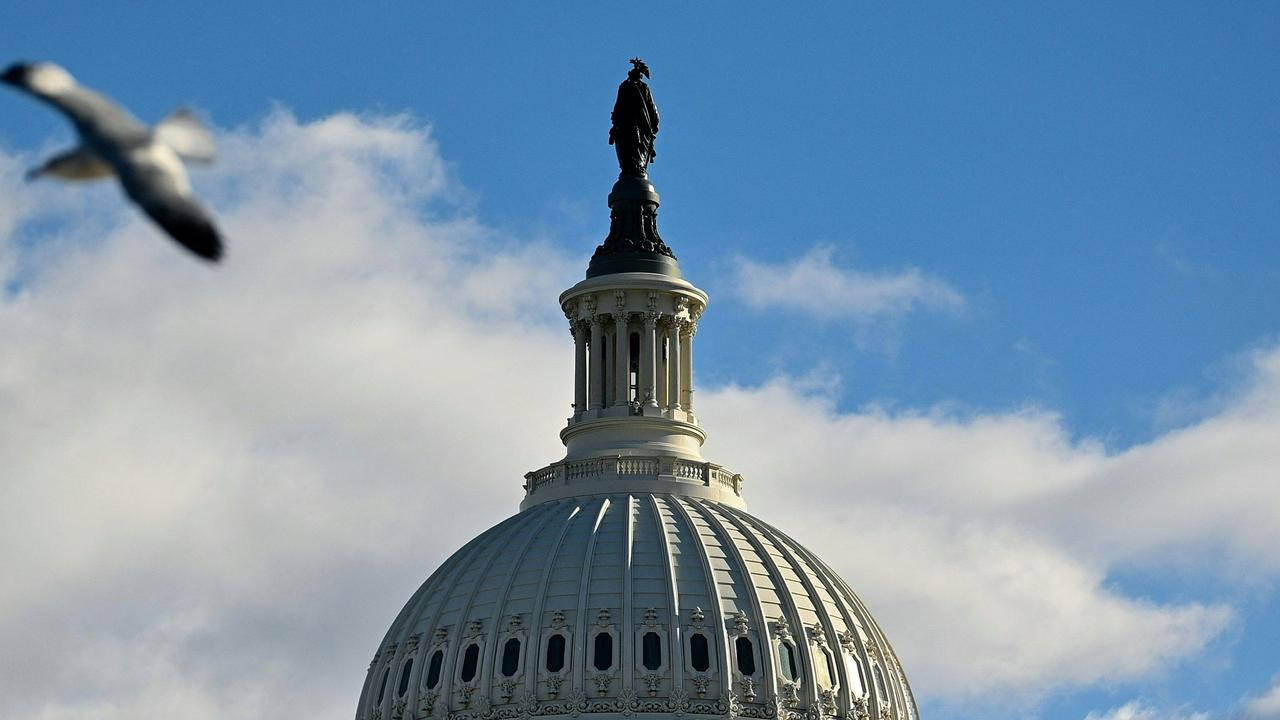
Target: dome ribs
[(759, 624), (868, 628), (501, 608), (672, 591), (537, 620), (404, 625), (464, 619), (784, 545), (789, 609), (626, 564), (580, 635), (712, 593)]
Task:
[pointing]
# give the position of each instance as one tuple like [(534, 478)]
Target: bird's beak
[(32, 175)]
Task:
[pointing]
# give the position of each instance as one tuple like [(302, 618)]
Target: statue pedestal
[(633, 244)]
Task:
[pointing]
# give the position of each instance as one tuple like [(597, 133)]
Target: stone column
[(622, 355), (686, 370), (596, 391), (579, 368), (673, 365), (649, 361)]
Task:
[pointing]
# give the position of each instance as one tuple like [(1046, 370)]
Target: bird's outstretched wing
[(183, 132), (78, 163), (188, 223), (153, 177), (95, 116)]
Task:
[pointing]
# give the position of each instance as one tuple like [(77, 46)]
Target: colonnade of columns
[(609, 372)]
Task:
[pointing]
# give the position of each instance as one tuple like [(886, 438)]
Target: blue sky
[(1077, 201)]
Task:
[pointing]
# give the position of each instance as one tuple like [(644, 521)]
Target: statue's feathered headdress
[(638, 64)]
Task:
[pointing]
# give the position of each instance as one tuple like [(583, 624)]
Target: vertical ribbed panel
[(630, 554)]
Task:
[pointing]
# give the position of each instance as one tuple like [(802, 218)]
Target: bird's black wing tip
[(16, 73), (195, 234)]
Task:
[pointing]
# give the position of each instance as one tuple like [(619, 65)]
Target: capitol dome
[(633, 582)]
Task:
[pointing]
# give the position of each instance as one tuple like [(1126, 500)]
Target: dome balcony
[(633, 473)]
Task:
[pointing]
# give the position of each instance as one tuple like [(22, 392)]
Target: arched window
[(555, 653), (699, 652), (470, 661), (606, 372), (404, 678), (823, 668), (651, 650), (633, 368), (856, 677), (746, 656), (511, 657), (884, 693), (433, 669), (383, 692), (788, 661), (603, 651)]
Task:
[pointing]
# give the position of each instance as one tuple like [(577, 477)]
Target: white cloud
[(955, 531), (1137, 710), (220, 484), (1265, 706), (814, 284), (985, 542), (217, 479)]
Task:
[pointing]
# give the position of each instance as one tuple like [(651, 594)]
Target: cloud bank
[(1266, 706), (814, 284), (221, 484), (1137, 710)]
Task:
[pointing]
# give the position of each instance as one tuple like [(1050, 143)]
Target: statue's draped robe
[(635, 123)]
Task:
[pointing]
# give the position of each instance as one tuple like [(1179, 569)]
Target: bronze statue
[(635, 122), (633, 243)]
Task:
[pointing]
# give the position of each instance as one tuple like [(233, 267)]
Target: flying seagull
[(148, 161)]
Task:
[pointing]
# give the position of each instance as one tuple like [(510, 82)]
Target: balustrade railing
[(677, 470)]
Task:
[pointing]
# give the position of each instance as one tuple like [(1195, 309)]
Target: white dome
[(634, 604)]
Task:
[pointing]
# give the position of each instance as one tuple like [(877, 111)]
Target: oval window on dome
[(699, 652), (555, 653), (404, 678), (383, 692), (511, 657), (788, 662), (746, 656), (651, 650), (603, 651), (433, 670), (470, 661)]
